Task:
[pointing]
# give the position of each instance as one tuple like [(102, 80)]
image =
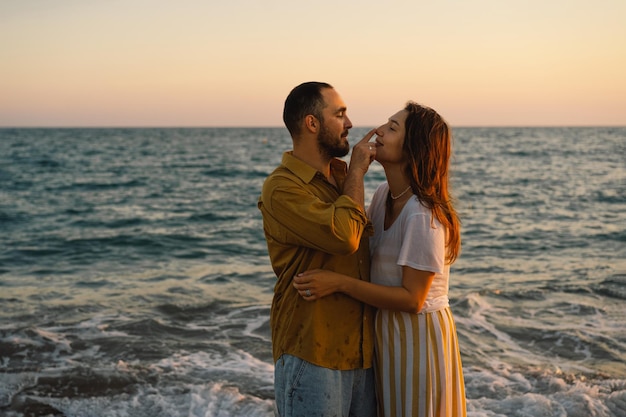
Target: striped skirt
[(418, 365)]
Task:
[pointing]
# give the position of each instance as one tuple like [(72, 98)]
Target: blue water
[(134, 277)]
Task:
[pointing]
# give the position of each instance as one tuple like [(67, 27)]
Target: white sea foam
[(190, 384), (210, 400), (507, 393)]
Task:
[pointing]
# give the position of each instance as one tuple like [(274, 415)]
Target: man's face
[(332, 138)]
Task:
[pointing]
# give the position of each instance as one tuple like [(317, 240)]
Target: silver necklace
[(399, 195)]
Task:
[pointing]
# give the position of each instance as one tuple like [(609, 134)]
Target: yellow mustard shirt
[(308, 224)]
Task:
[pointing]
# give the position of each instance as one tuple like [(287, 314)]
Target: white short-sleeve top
[(415, 239)]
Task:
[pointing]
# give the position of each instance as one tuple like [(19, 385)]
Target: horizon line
[(555, 126)]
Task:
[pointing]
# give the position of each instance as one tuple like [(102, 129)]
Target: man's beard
[(330, 146)]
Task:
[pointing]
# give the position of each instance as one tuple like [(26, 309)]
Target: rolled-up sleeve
[(303, 219)]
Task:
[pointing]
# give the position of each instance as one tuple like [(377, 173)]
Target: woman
[(416, 239)]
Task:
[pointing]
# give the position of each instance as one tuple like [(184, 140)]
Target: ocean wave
[(614, 287), (138, 255), (506, 390), (80, 185)]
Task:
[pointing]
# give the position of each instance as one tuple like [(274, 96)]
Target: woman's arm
[(410, 297)]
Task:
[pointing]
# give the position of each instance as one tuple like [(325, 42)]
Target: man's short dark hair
[(303, 100)]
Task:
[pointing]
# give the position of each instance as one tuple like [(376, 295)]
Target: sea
[(135, 280)]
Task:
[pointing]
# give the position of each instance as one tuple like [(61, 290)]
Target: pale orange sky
[(210, 63)]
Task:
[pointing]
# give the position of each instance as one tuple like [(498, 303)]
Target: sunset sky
[(231, 63)]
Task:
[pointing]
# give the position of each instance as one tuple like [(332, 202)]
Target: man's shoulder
[(281, 179), (291, 170), (281, 175)]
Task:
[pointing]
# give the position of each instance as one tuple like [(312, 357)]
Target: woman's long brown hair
[(428, 147)]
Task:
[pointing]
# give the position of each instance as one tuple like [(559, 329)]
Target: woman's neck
[(397, 180)]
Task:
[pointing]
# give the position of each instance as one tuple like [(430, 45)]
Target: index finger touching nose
[(367, 137)]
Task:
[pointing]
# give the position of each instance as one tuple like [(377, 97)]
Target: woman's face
[(391, 139)]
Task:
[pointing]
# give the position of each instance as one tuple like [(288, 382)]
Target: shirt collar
[(306, 172)]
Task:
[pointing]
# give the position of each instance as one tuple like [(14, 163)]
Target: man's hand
[(363, 153)]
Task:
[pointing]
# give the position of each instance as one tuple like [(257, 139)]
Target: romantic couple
[(361, 323)]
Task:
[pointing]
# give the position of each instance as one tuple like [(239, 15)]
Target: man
[(314, 217)]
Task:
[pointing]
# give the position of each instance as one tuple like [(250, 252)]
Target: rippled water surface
[(134, 278)]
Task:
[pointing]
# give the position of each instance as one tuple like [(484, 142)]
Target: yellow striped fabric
[(418, 365)]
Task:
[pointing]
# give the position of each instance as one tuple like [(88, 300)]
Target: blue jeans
[(307, 390)]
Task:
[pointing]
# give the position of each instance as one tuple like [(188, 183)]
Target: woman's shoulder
[(381, 192), (415, 207), (377, 203), (383, 187)]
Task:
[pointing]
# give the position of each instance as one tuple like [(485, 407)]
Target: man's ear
[(311, 123)]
